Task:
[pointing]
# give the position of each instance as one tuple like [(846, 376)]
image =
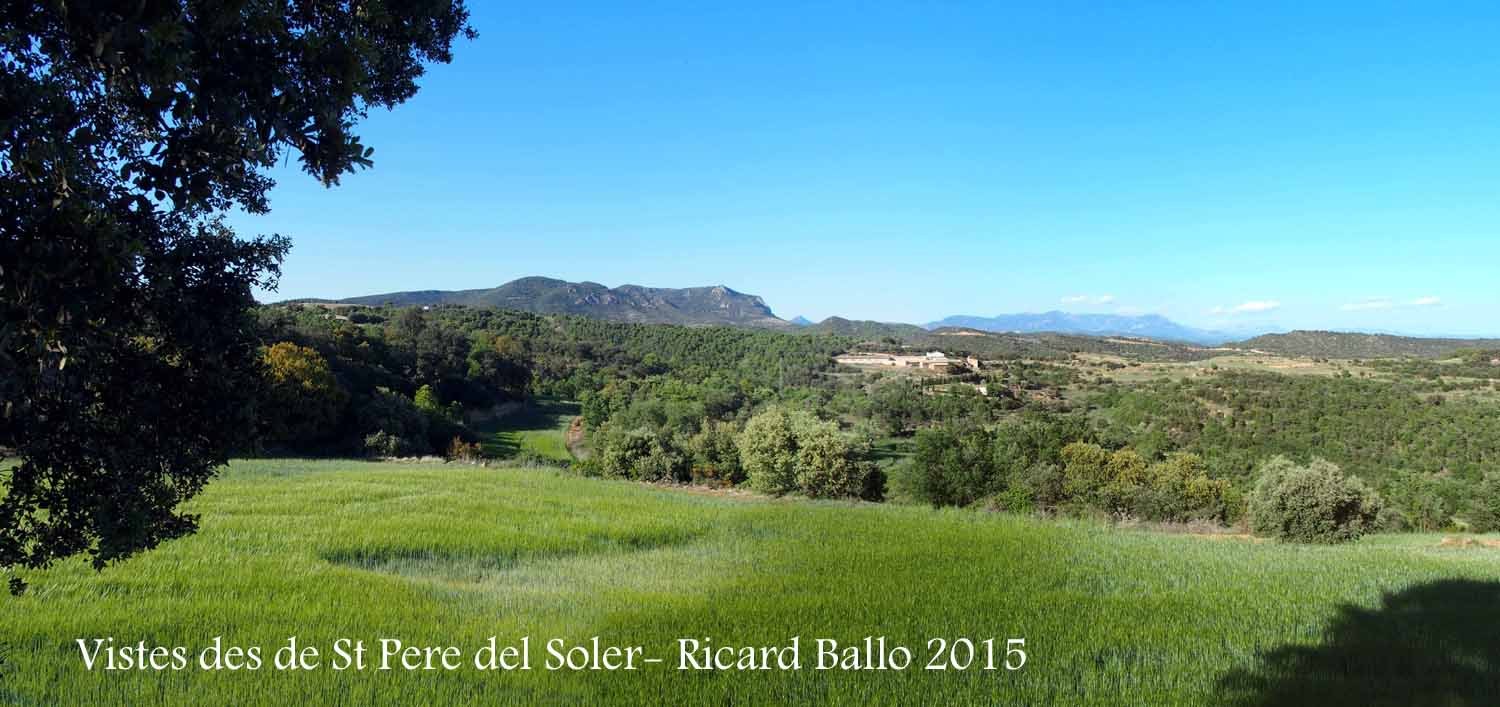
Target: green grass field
[(539, 429), (450, 555)]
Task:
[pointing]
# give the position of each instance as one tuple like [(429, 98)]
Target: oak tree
[(127, 358)]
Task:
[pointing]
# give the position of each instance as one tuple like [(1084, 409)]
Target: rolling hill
[(966, 340), (1334, 344)]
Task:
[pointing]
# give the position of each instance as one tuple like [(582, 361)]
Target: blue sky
[(1330, 164)]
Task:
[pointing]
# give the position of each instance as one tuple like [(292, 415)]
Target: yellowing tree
[(303, 399)]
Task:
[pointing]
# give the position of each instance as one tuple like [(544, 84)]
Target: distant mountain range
[(627, 303), (1150, 326)]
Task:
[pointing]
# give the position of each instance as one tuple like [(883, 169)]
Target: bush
[(639, 453), (385, 444), (393, 415), (459, 450), (1391, 520), (1315, 503), (1087, 474), (768, 450), (952, 466), (1016, 499), (1178, 490), (827, 463), (783, 451), (715, 455), (1043, 484), (872, 487)]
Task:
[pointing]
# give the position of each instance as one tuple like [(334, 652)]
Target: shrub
[(1043, 484), (459, 450), (827, 465), (784, 450), (1315, 503), (1086, 473), (872, 487), (385, 444), (393, 415), (1178, 490), (715, 456), (952, 466), (1015, 499), (638, 453), (1391, 520), (663, 462), (768, 450), (1484, 508)]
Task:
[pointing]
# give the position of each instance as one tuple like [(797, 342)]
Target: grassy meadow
[(451, 555), (539, 429)]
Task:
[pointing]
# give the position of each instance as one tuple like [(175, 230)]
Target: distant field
[(540, 428), (1153, 370), (448, 554)]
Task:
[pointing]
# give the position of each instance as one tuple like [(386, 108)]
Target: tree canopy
[(127, 355)]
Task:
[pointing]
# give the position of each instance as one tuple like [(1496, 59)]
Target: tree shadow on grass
[(1431, 644), (501, 438)]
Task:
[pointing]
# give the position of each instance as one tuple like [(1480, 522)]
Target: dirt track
[(574, 439)]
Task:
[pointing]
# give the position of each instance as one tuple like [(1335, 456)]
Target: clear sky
[(1312, 164)]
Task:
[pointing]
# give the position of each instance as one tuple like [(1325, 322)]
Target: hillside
[(967, 340), (1333, 344), (1151, 326), (627, 303), (864, 329)]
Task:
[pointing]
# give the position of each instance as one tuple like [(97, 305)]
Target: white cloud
[(1088, 299), (1380, 303), (1256, 306), (1251, 307), (1368, 304)]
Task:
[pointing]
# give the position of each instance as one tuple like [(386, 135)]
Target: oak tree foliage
[(127, 357)]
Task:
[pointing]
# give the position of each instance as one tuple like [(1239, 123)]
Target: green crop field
[(439, 555)]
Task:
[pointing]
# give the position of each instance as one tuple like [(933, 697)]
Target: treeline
[(399, 381), (384, 386), (665, 427), (1381, 431), (1199, 449), (1466, 369), (1051, 463)]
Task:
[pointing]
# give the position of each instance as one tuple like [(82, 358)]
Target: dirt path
[(574, 439)]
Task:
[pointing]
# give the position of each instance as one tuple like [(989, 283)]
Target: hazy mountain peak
[(1151, 326)]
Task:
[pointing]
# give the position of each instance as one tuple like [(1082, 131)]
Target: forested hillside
[(1332, 344), (627, 303)]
